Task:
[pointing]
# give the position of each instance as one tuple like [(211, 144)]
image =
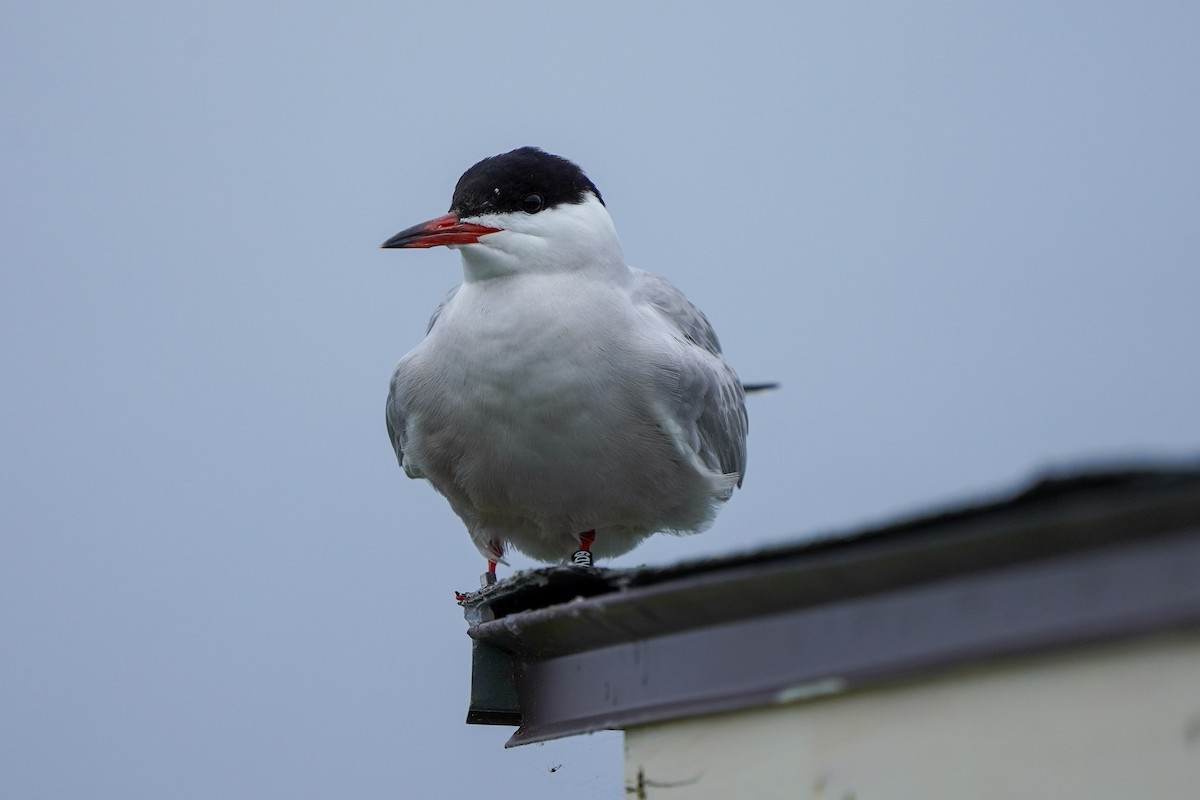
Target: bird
[(565, 403)]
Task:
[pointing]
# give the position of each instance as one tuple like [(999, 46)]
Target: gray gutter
[(1072, 560)]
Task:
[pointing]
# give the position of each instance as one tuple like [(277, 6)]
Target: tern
[(563, 402)]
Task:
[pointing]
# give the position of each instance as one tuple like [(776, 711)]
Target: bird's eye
[(532, 203)]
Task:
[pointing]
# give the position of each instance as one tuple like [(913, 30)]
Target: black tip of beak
[(406, 237)]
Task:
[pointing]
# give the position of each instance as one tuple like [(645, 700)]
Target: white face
[(570, 237)]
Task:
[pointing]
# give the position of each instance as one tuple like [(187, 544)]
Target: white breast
[(536, 405)]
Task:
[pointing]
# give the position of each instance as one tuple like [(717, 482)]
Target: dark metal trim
[(493, 692), (1135, 588), (558, 611), (1072, 560)]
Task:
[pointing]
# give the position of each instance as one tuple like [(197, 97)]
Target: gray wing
[(437, 312), (394, 413), (397, 426), (711, 396)]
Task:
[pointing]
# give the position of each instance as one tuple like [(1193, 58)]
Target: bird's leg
[(497, 550), (583, 556), (486, 579)]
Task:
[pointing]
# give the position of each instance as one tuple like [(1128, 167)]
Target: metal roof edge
[(565, 651)]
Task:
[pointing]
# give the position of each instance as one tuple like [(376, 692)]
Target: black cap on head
[(526, 179)]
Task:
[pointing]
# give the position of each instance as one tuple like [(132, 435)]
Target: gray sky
[(963, 236)]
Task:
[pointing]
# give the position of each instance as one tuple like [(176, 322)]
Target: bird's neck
[(604, 263)]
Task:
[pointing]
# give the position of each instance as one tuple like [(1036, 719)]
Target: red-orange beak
[(446, 229)]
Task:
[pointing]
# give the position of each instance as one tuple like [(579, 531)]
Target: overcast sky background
[(965, 237)]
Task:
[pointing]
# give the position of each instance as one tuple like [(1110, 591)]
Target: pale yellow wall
[(1116, 721)]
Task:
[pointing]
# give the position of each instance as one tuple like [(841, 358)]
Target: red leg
[(583, 556), (486, 579)]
